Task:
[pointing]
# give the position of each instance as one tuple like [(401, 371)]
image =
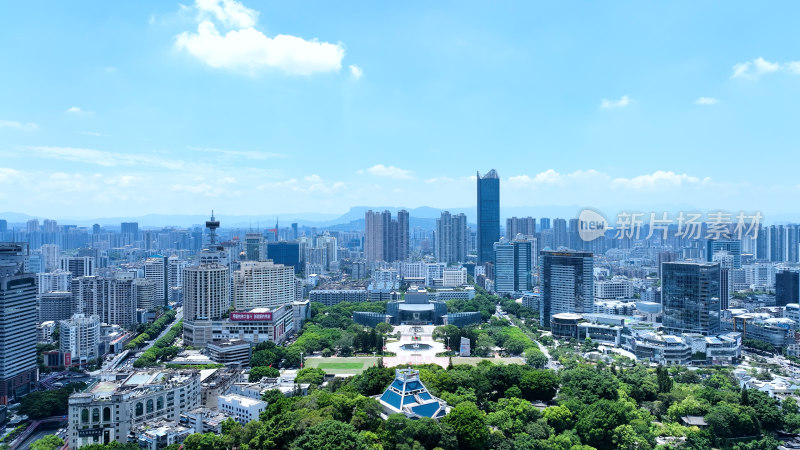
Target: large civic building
[(18, 370), (567, 280), (417, 309), (690, 294), (488, 215)]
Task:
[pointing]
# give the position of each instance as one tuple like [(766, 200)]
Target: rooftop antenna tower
[(212, 226)]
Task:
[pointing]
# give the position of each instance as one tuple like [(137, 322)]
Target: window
[(150, 406), (85, 415), (139, 409), (106, 414), (160, 403)]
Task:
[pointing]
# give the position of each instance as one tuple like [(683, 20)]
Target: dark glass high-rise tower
[(690, 294), (488, 215)]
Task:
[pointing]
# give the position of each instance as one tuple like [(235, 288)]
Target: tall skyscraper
[(156, 268), (525, 226), (690, 296), (386, 239), (18, 370), (567, 283), (50, 256), (3, 225), (777, 243), (787, 287), (262, 284), (560, 238), (130, 228), (451, 238), (544, 224), (488, 215), (513, 265)]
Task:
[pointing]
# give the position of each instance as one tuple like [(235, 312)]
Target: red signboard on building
[(246, 316)]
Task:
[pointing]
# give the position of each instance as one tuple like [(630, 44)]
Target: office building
[(79, 339), (690, 294), (787, 287), (567, 283), (513, 265), (255, 247), (286, 253), (488, 215), (119, 301), (733, 247), (262, 284), (79, 266), (451, 238), (525, 226), (18, 334)]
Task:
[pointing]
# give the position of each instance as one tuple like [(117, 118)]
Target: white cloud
[(77, 110), (390, 172), (231, 13), (621, 103), (658, 180), (310, 184), (244, 48), (356, 72), (793, 67), (91, 133), (706, 101), (755, 68), (18, 125), (103, 158)]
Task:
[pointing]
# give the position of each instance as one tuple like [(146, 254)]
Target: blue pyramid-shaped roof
[(409, 396)]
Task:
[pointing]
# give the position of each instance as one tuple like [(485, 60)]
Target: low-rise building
[(254, 326), (162, 434), (231, 352), (243, 409), (216, 382), (204, 420), (113, 408)]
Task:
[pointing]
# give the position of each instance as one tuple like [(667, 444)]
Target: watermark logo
[(591, 225), (686, 225)]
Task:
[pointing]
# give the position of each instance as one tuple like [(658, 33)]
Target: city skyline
[(381, 106)]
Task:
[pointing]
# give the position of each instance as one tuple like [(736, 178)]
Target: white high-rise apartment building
[(119, 301), (155, 268), (57, 280), (206, 292), (144, 291), (50, 256), (262, 284), (80, 336)]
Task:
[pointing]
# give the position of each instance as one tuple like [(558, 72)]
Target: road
[(178, 317), (551, 363)]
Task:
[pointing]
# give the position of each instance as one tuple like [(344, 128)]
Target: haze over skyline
[(159, 107)]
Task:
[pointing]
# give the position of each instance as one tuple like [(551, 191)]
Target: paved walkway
[(405, 349)]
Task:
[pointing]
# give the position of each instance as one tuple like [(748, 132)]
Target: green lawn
[(342, 366)]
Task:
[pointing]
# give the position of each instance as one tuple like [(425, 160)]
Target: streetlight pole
[(301, 359), (383, 347)]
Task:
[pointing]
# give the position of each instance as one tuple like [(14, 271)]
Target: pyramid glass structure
[(407, 395)]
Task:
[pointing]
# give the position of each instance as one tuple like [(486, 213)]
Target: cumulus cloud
[(621, 103), (74, 110), (309, 184), (241, 47), (756, 68), (356, 72), (706, 101), (390, 172), (18, 125)]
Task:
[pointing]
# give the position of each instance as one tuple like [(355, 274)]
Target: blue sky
[(124, 108)]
